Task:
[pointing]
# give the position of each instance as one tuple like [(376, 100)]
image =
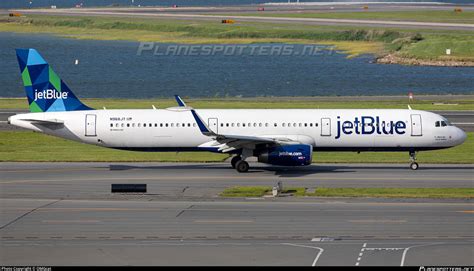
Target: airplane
[(284, 137)]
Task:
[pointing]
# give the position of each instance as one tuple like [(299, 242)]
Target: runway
[(462, 119), (64, 213), (218, 13), (178, 181)]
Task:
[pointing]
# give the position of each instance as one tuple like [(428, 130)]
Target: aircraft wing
[(227, 143)]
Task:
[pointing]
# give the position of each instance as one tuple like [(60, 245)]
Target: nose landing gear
[(413, 165)]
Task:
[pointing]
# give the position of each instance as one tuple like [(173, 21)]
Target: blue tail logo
[(46, 92)]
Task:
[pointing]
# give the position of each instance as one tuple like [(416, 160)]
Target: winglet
[(202, 126), (180, 101)]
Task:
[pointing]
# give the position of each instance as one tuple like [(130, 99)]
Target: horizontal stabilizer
[(45, 122)]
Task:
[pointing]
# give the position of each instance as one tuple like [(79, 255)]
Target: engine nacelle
[(287, 155)]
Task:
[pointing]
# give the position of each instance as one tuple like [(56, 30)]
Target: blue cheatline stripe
[(201, 125)]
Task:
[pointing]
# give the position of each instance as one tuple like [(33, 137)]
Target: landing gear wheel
[(234, 160), (413, 164), (242, 166)]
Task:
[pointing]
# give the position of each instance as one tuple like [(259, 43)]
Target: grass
[(420, 44), (199, 32), (30, 146), (434, 103), (442, 16), (27, 146), (260, 191), (434, 48)]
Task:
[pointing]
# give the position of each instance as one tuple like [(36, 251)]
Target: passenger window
[(150, 125), (123, 125), (243, 124), (128, 124), (232, 124), (166, 124), (311, 125), (139, 125), (189, 124), (226, 125), (156, 124), (111, 125), (283, 124), (133, 124), (194, 124), (238, 124), (259, 125), (275, 124)]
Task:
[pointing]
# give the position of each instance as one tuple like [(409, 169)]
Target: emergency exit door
[(212, 123), (325, 127)]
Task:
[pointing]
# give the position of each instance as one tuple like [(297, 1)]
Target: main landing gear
[(239, 164), (234, 160), (413, 164)]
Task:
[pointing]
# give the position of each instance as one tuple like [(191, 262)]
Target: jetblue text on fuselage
[(367, 125), (49, 94)]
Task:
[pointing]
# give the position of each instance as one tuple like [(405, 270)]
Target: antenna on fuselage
[(153, 106), (409, 107)]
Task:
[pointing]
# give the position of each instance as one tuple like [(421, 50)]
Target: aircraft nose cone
[(461, 136)]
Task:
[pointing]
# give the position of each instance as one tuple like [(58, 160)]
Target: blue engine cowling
[(287, 155)]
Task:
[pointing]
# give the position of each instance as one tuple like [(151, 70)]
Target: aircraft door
[(212, 123), (325, 127), (91, 125), (416, 127)]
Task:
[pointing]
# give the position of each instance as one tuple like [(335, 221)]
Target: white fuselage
[(175, 129)]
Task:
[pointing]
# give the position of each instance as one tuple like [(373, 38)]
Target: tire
[(414, 166), (242, 166), (234, 160)]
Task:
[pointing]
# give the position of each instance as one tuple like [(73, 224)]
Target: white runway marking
[(361, 254), (317, 256), (402, 263)]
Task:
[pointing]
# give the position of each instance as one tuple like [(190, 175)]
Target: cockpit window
[(437, 124), (443, 123)]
